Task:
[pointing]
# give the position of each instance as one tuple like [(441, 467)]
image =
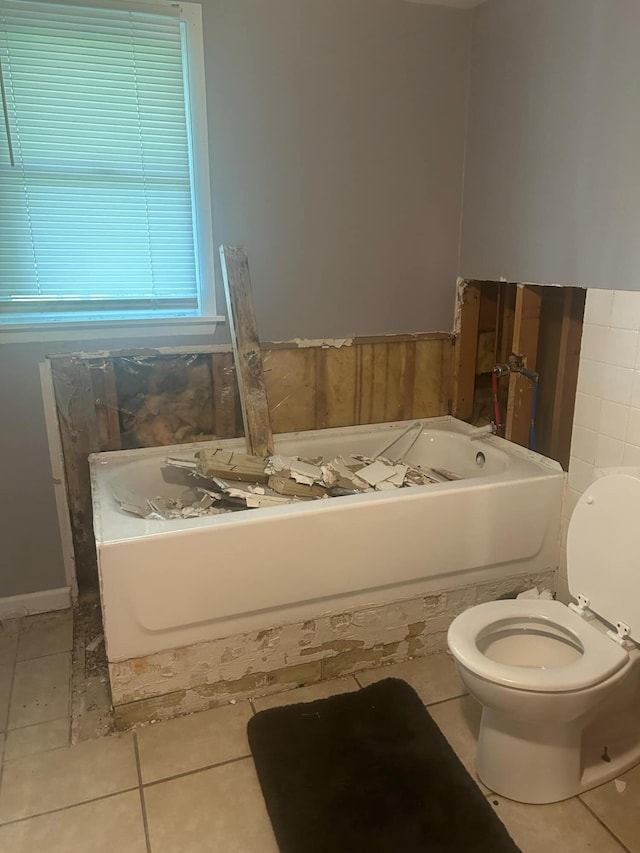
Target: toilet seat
[(601, 657)]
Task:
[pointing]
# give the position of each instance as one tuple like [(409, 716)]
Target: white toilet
[(560, 686)]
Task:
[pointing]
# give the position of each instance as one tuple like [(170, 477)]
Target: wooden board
[(336, 396), (466, 349), (226, 399), (246, 349), (525, 343), (567, 375), (290, 379), (76, 416)]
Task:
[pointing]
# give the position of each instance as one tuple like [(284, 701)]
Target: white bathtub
[(168, 584)]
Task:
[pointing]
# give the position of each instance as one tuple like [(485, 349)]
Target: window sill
[(61, 330)]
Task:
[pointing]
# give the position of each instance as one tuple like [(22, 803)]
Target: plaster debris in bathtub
[(271, 481), (231, 465), (285, 486), (385, 486), (294, 468), (254, 499)]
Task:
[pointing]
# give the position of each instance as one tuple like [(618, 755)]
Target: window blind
[(96, 210)]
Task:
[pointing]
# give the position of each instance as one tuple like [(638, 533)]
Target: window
[(104, 200)]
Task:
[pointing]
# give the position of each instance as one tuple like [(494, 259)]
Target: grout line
[(66, 808), (37, 751), (602, 823), (143, 805), (196, 770), (47, 655), (449, 699), (42, 723)]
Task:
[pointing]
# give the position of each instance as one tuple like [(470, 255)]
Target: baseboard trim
[(13, 606)]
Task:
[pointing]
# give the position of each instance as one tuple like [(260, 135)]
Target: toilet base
[(536, 764), (528, 762)]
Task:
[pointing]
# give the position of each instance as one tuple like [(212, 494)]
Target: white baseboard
[(35, 602)]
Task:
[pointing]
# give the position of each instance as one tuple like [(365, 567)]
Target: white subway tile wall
[(606, 425)]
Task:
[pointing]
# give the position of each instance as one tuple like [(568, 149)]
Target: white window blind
[(96, 205)]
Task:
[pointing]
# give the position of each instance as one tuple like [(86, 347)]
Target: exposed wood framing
[(225, 395), (506, 319), (79, 437), (566, 377), (466, 349), (526, 328), (246, 348), (103, 383)]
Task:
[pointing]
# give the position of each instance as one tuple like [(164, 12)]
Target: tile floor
[(189, 785)]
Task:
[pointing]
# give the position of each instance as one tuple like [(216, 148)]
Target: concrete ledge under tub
[(205, 675)]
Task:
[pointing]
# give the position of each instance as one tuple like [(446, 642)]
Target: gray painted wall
[(336, 134), (552, 184)]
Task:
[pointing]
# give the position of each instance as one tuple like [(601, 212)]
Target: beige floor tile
[(6, 674), (40, 738), (322, 690), (65, 777), (619, 810), (220, 810), (190, 743), (112, 825), (433, 677), (46, 634), (459, 721), (566, 827), (8, 644), (40, 690)]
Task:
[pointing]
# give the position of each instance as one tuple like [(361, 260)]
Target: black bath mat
[(369, 771)]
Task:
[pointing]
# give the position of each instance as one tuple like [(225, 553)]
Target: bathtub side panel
[(161, 592)]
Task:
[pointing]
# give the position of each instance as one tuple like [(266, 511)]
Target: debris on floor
[(218, 481), (544, 594), (93, 644), (91, 712)]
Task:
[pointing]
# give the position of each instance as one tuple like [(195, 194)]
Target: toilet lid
[(603, 550)]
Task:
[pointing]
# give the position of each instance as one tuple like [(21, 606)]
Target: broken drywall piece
[(345, 476), (385, 486), (376, 473), (529, 593), (93, 645), (301, 472), (304, 473), (255, 500), (141, 507), (286, 486), (400, 473), (621, 785)]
